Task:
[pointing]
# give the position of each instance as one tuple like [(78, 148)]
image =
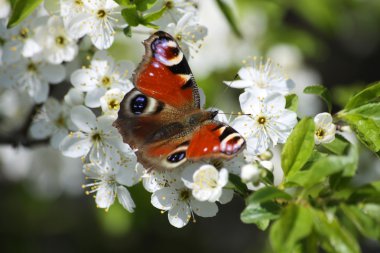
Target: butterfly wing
[(210, 140), (165, 75)]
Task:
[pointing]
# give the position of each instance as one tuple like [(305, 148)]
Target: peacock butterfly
[(161, 117)]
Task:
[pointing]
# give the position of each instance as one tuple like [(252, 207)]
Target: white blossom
[(53, 121), (250, 173), (103, 74), (207, 183), (98, 19), (110, 102), (20, 40), (324, 128), (109, 182), (96, 137), (188, 33), (57, 45), (266, 122), (74, 97), (262, 78), (35, 76), (170, 194)]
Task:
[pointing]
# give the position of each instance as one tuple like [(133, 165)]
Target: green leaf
[(20, 10), (291, 102), (239, 186), (294, 224), (339, 146), (150, 17), (128, 31), (267, 194), (131, 16), (368, 95), (227, 12), (369, 193), (333, 236), (365, 224), (319, 170), (320, 91), (298, 147), (365, 121), (143, 5), (260, 214)]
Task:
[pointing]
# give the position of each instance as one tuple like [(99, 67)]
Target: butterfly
[(162, 118)]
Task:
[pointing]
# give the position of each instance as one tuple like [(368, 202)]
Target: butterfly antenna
[(229, 85), (235, 114)]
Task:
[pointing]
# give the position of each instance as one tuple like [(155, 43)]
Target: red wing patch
[(165, 75), (214, 140)]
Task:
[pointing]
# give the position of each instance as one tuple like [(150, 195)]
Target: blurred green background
[(331, 42)]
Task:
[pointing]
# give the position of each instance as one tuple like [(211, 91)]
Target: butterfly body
[(161, 117)]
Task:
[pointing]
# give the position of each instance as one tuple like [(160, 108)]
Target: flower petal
[(204, 209), (179, 215), (83, 118), (164, 198), (125, 198), (75, 145)]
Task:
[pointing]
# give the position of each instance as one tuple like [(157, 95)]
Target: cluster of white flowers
[(34, 56)]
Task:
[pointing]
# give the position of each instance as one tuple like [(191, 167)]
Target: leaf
[(22, 9), (260, 214), (365, 96), (131, 16), (322, 92), (143, 5), (226, 10), (236, 181), (128, 31), (333, 236), (150, 17), (298, 147), (319, 170), (294, 224), (339, 146), (369, 193), (291, 102), (365, 224), (267, 194), (365, 121)]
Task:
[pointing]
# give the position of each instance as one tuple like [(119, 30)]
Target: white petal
[(179, 215), (227, 195), (105, 196), (41, 129), (57, 138), (40, 90), (125, 198), (101, 37), (223, 177), (204, 209), (80, 25), (52, 108), (164, 198), (75, 145), (83, 118), (244, 125), (238, 84), (31, 47), (92, 99), (53, 73), (84, 79)]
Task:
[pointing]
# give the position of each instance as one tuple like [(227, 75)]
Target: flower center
[(60, 40), (78, 2), (261, 120), (113, 104), (179, 36), (106, 81), (96, 137), (320, 133), (169, 4), (101, 13), (31, 68), (60, 122), (184, 195), (24, 33)]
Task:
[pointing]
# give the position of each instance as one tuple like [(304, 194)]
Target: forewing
[(165, 75)]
